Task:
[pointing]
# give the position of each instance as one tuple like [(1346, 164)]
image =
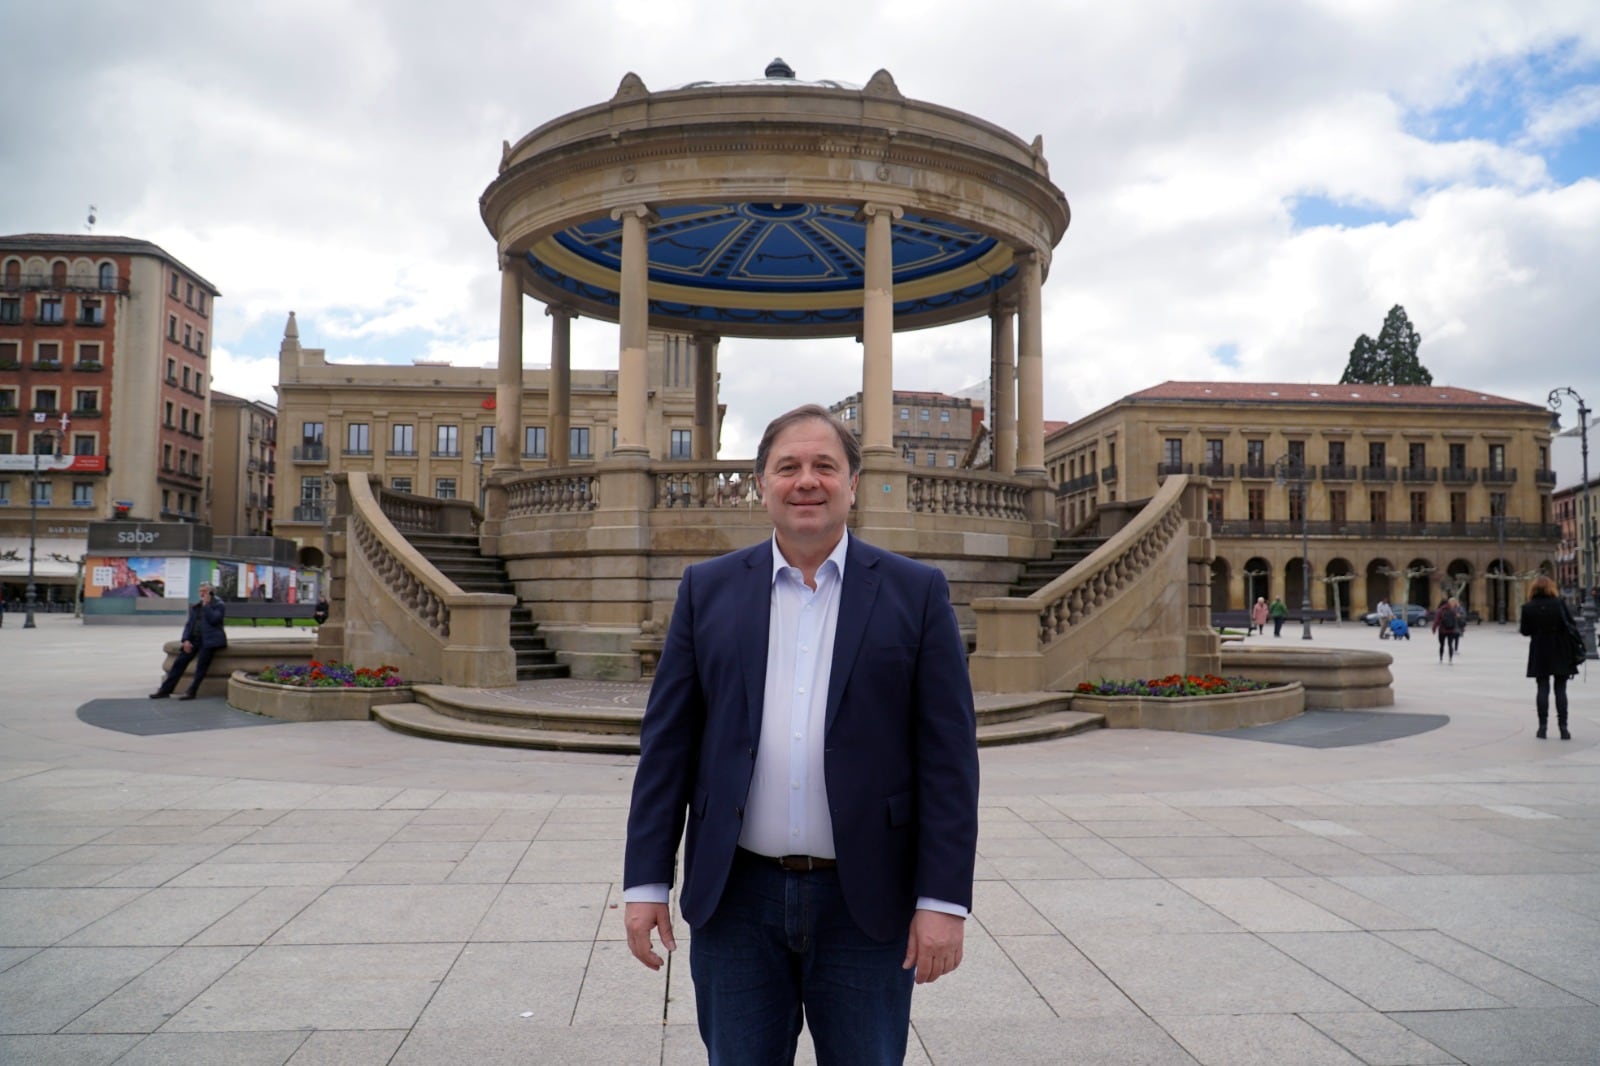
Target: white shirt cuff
[(927, 903), (646, 893)]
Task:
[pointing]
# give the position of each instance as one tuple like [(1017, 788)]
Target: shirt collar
[(836, 557)]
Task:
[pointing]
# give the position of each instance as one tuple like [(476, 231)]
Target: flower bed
[(331, 675), (1190, 704), (317, 691)]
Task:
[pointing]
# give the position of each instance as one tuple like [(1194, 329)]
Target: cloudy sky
[(1253, 182)]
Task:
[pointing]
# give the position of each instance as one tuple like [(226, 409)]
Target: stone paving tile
[(65, 1050), (617, 990), (262, 874), (59, 875), (600, 1044), (294, 987), (545, 911), (1381, 974), (394, 914), (1133, 907), (145, 1003), (1209, 973), (988, 985), (1379, 1040), (1255, 1040), (1071, 985), (1511, 1037), (215, 1049), (38, 917), (50, 988), (1260, 906), (399, 873), (521, 984), (348, 1048), (1002, 911), (169, 916), (1351, 906), (258, 917), (1505, 982), (1130, 1041)]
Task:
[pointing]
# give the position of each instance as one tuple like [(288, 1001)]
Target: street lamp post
[(1284, 466), (1586, 535)]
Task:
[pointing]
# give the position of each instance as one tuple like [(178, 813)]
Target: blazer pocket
[(902, 809)]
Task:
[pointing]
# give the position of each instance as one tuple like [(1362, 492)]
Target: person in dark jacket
[(1545, 622), (319, 615), (1448, 621), (203, 635)]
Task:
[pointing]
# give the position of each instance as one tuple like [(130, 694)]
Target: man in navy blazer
[(812, 722)]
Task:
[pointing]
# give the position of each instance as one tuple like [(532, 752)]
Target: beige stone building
[(244, 464), (930, 428), (429, 428), (1409, 489)]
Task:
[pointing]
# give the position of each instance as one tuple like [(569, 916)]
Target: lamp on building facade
[(1586, 534), (1287, 466)]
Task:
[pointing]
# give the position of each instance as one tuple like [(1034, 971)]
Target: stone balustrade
[(967, 493)]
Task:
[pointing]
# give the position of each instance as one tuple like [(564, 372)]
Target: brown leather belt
[(794, 863)]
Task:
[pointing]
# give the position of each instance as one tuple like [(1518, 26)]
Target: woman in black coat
[(1545, 621)]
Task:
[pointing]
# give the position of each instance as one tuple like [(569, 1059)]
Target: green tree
[(1389, 360)]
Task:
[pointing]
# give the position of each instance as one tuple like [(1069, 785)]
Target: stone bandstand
[(793, 210)]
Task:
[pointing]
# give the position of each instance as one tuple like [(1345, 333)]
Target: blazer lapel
[(753, 620), (856, 596)]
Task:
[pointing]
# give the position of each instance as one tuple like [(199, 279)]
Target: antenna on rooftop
[(88, 224)]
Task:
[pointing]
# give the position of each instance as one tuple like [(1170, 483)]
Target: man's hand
[(187, 646), (643, 919), (933, 946)]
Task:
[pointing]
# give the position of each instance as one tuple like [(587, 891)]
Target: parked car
[(1416, 615)]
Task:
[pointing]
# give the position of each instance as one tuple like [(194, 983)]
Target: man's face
[(807, 487)]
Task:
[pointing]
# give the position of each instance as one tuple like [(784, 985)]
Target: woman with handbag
[(1553, 650)]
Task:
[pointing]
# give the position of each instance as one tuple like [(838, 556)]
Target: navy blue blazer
[(900, 750), (204, 626)]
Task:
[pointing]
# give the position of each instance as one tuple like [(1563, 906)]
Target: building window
[(358, 439), (1338, 506), (1255, 453), (91, 312), (1214, 505), (486, 442), (1375, 454), (1256, 501), (402, 439), (1416, 455), (1297, 454), (905, 414), (172, 327), (923, 415), (183, 420), (86, 400), (1297, 504), (1458, 457), (8, 399), (1497, 458), (682, 444), (188, 293), (933, 458), (166, 457), (50, 309), (89, 353), (186, 379), (950, 459), (45, 400), (1213, 451), (849, 412), (172, 371), (400, 484), (533, 445), (578, 443), (5, 492), (1336, 453), (43, 491), (311, 489), (48, 353), (1379, 502), (1172, 451), (195, 423), (444, 488), (83, 494), (173, 289), (10, 310), (200, 342), (1419, 508), (1497, 505), (84, 443), (447, 443), (911, 456), (944, 415), (108, 276)]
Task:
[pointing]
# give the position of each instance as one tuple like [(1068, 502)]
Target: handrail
[(971, 493)]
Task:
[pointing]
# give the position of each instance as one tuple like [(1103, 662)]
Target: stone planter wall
[(1335, 679), (249, 654), (309, 704), (1196, 714)]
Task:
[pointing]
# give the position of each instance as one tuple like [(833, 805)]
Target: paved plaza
[(181, 883)]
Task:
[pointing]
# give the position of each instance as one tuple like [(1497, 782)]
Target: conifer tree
[(1389, 360)]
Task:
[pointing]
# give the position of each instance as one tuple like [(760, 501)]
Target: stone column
[(705, 397), (508, 374), (558, 437), (1003, 380), (634, 319), (1030, 369), (877, 333)]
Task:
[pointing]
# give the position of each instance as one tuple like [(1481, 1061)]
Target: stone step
[(1039, 727), (416, 719)]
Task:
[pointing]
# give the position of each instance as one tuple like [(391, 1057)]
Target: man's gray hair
[(807, 413)]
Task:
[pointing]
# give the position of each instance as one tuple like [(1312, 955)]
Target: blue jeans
[(782, 947)]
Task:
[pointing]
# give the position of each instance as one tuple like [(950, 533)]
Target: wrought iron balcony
[(1544, 477), (1458, 475), (1420, 474), (70, 283), (1501, 476), (1108, 473), (1485, 529), (309, 512), (1218, 469), (310, 453), (1338, 473), (1164, 469), (1377, 473)]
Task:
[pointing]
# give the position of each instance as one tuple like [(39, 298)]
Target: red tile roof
[(1287, 393)]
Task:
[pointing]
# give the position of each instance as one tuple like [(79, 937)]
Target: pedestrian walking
[(1278, 612), (1448, 622), (1258, 617), (1554, 650), (1385, 616)]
